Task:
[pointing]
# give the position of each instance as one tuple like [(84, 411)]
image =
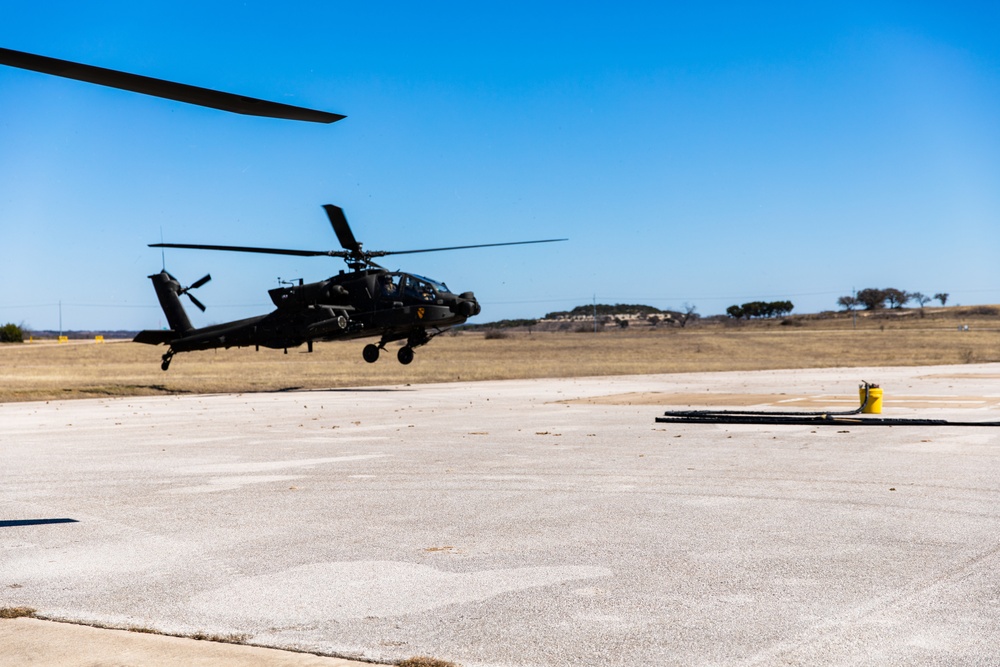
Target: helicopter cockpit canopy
[(410, 285)]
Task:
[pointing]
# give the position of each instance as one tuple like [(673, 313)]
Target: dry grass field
[(46, 370)]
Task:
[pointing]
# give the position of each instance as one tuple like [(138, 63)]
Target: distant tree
[(782, 308), (897, 298), (11, 333), (753, 309), (920, 298), (848, 302), (871, 298), (653, 320), (688, 315), (942, 297)]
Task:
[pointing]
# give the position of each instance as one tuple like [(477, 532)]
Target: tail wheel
[(370, 353), (405, 354)]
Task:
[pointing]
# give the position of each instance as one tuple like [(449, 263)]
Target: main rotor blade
[(342, 229), (365, 255), (180, 92), (382, 253), (266, 251)]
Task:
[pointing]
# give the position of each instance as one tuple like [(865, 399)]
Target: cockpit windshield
[(412, 286), (440, 287), (399, 285)]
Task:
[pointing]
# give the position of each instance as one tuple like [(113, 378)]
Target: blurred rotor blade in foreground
[(180, 92)]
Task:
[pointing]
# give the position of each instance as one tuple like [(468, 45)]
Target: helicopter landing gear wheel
[(370, 353), (405, 354), (165, 364)]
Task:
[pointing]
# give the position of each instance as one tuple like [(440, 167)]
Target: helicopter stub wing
[(179, 92)]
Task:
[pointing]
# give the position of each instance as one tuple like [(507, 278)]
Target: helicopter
[(367, 300)]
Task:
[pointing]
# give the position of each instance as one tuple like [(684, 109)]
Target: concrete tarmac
[(536, 522)]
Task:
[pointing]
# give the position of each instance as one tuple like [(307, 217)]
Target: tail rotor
[(195, 285)]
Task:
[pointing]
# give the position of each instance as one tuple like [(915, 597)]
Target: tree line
[(760, 309), (11, 333), (603, 310), (872, 298)]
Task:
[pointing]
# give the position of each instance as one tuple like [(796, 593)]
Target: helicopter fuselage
[(357, 304)]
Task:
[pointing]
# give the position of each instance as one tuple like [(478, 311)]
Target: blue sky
[(701, 153)]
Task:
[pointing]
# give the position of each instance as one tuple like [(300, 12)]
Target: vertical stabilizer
[(168, 291)]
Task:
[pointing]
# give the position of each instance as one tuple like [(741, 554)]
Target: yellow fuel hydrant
[(873, 393)]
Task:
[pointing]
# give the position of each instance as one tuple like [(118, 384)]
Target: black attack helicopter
[(365, 301)]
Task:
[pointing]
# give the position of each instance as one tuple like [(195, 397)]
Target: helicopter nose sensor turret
[(467, 305)]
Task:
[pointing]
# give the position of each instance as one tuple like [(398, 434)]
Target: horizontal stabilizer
[(155, 336)]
